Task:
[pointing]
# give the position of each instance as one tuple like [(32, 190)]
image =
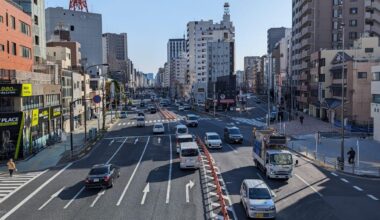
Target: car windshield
[(183, 140), (181, 130), (192, 118), (158, 126), (140, 119), (189, 152), (99, 171), (281, 159), (213, 137), (234, 131), (259, 193)]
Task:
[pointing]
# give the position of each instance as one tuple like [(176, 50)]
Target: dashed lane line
[(372, 197), (170, 172), (358, 188), (133, 174), (344, 180), (334, 174), (118, 149), (72, 200), (15, 208)]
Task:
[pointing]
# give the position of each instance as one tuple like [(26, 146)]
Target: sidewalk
[(51, 155)]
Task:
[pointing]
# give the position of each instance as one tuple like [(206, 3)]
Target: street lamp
[(342, 105)]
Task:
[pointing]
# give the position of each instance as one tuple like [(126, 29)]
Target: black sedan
[(102, 176)]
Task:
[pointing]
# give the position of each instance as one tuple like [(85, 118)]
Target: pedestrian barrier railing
[(219, 192), (332, 163)]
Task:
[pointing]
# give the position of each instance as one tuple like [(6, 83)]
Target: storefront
[(10, 134)]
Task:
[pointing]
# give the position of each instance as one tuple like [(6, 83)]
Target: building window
[(72, 28), (26, 52), (25, 28), (1, 19), (37, 40), (368, 50), (376, 98), (35, 19), (353, 35), (6, 19), (376, 76), (353, 11), (13, 22), (2, 47), (321, 77), (353, 23), (14, 49), (35, 2), (362, 75)]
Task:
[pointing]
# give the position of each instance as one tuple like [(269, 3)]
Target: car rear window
[(99, 171), (158, 126), (213, 137), (189, 152), (192, 118), (259, 193), (234, 131), (140, 119), (181, 130), (183, 140)]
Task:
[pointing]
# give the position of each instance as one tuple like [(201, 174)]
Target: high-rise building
[(199, 33), (220, 60), (85, 28), (36, 9), (273, 36), (115, 50), (175, 48), (250, 77), (317, 25)]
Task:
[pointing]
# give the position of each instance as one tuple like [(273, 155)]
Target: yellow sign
[(26, 90), (35, 117)]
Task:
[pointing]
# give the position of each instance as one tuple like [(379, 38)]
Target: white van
[(189, 155), (183, 138), (140, 121)]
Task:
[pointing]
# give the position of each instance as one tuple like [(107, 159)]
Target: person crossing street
[(11, 167), (351, 156)]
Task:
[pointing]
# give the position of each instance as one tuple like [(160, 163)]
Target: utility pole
[(214, 100), (85, 107), (342, 105), (104, 105), (268, 87)]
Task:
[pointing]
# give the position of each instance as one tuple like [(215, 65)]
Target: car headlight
[(272, 207)]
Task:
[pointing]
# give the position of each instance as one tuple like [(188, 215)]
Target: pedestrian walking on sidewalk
[(301, 119), (11, 167), (351, 156)]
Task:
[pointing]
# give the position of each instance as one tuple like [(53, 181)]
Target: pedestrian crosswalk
[(253, 122), (10, 185), (151, 122)]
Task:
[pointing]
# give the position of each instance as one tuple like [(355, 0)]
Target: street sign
[(97, 99), (222, 96)]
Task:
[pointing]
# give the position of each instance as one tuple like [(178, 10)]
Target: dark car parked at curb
[(102, 176), (233, 135)]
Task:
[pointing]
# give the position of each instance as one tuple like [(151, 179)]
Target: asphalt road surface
[(151, 185)]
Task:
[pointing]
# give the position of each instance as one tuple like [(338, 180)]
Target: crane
[(80, 5)]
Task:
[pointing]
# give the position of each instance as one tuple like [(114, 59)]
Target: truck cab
[(271, 155)]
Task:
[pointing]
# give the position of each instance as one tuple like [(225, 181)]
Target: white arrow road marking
[(136, 140), (113, 140), (72, 200), (118, 149), (170, 171), (188, 187), (14, 209), (159, 140), (55, 195), (97, 197), (133, 174), (145, 191)]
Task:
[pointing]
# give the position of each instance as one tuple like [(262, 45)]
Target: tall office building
[(199, 33), (85, 28), (175, 48), (317, 25), (115, 50), (273, 36), (36, 9)]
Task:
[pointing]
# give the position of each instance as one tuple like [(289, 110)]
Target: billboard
[(10, 134), (15, 90)]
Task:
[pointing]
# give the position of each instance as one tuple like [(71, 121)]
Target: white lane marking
[(334, 174), (170, 171), (97, 197), (118, 149), (15, 208), (17, 189), (344, 180), (372, 197), (124, 124), (234, 150), (55, 195), (274, 194), (119, 124), (311, 187), (72, 200), (145, 191), (136, 140), (150, 121), (155, 121), (358, 188), (133, 174), (111, 142), (189, 186)]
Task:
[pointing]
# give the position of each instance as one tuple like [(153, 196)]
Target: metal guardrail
[(332, 162), (216, 180)]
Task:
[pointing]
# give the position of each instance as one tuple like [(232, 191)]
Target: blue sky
[(150, 23)]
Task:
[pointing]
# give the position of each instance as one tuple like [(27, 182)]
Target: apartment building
[(375, 101), (250, 76), (199, 33), (175, 48), (16, 40), (317, 25), (325, 84), (115, 51)]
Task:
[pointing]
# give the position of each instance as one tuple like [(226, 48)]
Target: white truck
[(271, 155)]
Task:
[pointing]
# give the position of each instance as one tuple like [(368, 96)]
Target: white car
[(192, 120), (181, 129), (257, 199), (212, 140), (140, 121), (158, 128), (189, 156)]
